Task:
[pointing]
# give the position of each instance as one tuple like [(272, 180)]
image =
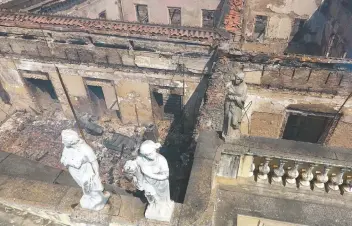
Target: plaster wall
[(132, 88), (91, 9), (265, 116), (191, 11), (281, 15)]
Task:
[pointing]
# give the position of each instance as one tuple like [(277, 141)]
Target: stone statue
[(83, 166), (150, 173), (234, 104)]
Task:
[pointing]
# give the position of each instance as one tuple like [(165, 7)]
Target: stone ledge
[(199, 191), (60, 203), (288, 149)]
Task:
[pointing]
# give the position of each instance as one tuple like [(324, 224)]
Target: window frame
[(214, 11), (168, 10), (263, 35), (328, 131), (136, 12)]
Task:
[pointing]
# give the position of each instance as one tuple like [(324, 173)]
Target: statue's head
[(69, 137), (148, 149), (237, 78)]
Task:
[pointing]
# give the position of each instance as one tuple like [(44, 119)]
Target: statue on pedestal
[(150, 173), (234, 104), (83, 166)]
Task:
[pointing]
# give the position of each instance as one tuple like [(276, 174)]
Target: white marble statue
[(83, 166), (150, 173)]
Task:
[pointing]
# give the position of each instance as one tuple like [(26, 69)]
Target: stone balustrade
[(300, 174), (287, 163)]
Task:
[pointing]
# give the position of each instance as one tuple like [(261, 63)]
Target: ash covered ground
[(38, 137)]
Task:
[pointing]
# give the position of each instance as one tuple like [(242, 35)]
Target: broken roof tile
[(109, 27)]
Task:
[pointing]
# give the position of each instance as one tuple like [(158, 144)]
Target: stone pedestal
[(160, 212), (232, 135), (91, 217)]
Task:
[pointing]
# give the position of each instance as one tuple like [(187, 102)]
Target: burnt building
[(155, 62)]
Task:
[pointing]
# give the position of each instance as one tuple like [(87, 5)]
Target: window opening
[(102, 15), (308, 128), (96, 95), (297, 25), (172, 106), (260, 27), (44, 93), (142, 13), (208, 18), (175, 16)]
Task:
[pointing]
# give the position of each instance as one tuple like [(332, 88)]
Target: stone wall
[(280, 20), (91, 9), (124, 67), (273, 89), (191, 11)]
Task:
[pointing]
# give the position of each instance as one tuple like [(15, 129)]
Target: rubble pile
[(39, 138)]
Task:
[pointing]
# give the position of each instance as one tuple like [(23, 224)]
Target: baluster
[(264, 170), (348, 185), (292, 174), (322, 178), (307, 175), (279, 172), (251, 170), (337, 180)]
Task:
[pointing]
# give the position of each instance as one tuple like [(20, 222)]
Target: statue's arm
[(95, 167), (163, 173), (159, 176)]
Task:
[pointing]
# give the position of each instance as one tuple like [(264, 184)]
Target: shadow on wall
[(179, 145), (326, 31), (4, 96)]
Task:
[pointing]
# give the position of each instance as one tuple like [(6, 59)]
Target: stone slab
[(3, 155), (16, 166), (294, 150), (132, 209), (207, 144), (198, 191), (97, 218), (232, 203), (69, 200), (32, 193), (65, 179)]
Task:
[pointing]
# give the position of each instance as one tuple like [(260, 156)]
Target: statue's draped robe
[(234, 105), (78, 160), (158, 189)]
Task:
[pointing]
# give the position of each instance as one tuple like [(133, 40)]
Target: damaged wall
[(326, 33), (126, 66), (191, 11), (132, 88), (92, 9), (276, 30), (273, 89)]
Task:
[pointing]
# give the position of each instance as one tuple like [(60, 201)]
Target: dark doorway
[(172, 107), (96, 95), (260, 27), (306, 128), (44, 93), (166, 106)]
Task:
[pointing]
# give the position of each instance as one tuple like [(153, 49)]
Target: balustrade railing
[(302, 174)]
